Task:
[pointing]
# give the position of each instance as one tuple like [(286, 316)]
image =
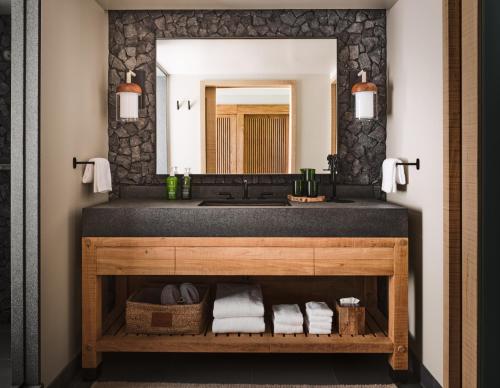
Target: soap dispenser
[(172, 184), (186, 185)]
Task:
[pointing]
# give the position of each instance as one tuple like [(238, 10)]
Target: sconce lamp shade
[(127, 100), (365, 99)]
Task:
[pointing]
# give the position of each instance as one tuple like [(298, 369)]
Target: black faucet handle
[(227, 194)]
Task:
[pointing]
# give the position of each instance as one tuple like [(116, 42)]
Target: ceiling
[(216, 57), (246, 4), (4, 7)]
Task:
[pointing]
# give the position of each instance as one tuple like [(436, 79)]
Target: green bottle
[(186, 185), (172, 184)]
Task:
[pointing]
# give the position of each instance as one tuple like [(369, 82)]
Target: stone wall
[(361, 41), (4, 175)]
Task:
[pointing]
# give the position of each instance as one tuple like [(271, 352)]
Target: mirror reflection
[(271, 113)]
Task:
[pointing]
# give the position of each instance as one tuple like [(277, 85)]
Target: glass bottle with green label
[(186, 185), (172, 184)]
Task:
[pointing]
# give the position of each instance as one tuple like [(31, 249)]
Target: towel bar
[(76, 162), (416, 164)]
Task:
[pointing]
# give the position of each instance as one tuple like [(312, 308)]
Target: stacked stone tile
[(361, 40)]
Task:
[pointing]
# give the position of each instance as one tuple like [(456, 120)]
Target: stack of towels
[(287, 319), (238, 308), (318, 318)]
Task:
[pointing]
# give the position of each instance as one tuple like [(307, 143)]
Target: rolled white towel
[(314, 309), (238, 300), (288, 314), (281, 328), (170, 294), (189, 293), (319, 325), (239, 325)]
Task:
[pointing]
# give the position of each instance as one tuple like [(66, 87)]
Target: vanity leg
[(398, 308), (91, 310)]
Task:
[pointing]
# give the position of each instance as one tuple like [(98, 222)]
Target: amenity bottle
[(172, 184), (186, 185)]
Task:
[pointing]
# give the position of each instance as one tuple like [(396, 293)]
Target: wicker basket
[(145, 314)]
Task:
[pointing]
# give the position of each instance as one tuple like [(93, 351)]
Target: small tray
[(319, 198)]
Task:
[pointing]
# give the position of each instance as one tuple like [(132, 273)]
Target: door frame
[(292, 84), (461, 191), (25, 184)]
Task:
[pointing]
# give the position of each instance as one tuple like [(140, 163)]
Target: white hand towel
[(319, 325), (318, 309), (288, 314), (238, 300), (282, 328), (189, 293), (99, 173), (316, 330), (170, 294), (319, 319), (392, 175), (239, 325)]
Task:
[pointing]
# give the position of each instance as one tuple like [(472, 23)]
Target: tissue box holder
[(350, 319)]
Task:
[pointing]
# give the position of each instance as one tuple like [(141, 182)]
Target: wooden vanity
[(277, 257)]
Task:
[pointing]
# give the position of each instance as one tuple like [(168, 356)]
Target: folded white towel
[(318, 309), (319, 325), (99, 173), (170, 294), (392, 175), (239, 325), (282, 328), (319, 319), (238, 300), (316, 330), (288, 314), (189, 293)]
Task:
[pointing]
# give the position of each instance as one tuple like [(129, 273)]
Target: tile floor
[(5, 356), (245, 369)]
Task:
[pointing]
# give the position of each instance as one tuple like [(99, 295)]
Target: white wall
[(73, 123), (415, 130), (313, 119)]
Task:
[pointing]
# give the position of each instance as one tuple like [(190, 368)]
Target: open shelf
[(375, 340)]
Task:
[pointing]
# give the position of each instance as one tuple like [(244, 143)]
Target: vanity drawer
[(244, 261), (135, 260), (354, 261)]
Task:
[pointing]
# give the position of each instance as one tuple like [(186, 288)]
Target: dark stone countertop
[(163, 218)]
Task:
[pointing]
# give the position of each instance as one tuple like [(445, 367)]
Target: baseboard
[(421, 373), (64, 378)]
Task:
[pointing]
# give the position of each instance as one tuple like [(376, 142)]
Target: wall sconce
[(129, 97), (365, 98)]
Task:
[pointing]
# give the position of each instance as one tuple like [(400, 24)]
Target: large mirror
[(245, 106)]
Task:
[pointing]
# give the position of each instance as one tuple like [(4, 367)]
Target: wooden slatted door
[(225, 144), (265, 144)]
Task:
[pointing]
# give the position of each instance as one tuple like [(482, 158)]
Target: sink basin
[(245, 202)]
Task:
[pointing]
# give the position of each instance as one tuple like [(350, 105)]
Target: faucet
[(333, 161), (245, 188)]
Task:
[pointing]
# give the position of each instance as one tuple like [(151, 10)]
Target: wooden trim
[(398, 307), (253, 109), (250, 84), (91, 306), (452, 206), (312, 242), (470, 190)]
